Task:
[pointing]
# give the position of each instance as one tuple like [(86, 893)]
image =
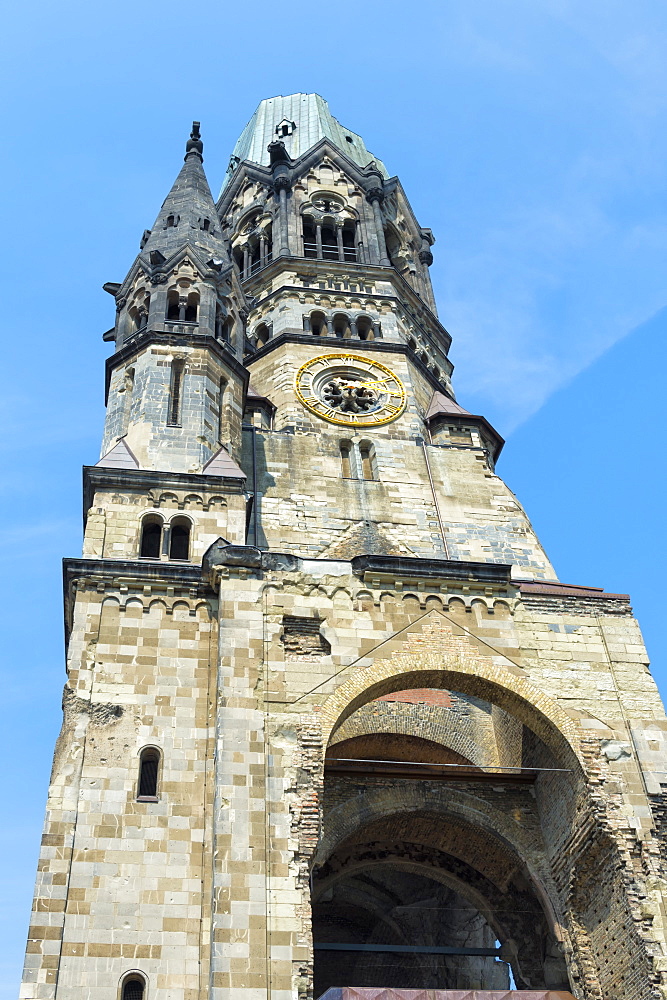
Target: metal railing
[(257, 265), (329, 252)]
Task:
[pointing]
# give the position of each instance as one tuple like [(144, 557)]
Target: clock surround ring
[(350, 390)]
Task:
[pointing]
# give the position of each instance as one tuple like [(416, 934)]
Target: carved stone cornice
[(190, 338), (97, 477)]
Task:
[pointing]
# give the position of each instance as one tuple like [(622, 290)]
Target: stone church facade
[(331, 722)]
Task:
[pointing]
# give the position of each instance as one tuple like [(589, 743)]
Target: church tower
[(331, 723)]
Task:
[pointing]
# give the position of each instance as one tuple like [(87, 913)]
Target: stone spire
[(188, 213)]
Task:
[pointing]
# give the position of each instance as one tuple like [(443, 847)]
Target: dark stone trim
[(298, 167), (467, 418), (556, 589), (355, 347), (98, 477), (347, 270), (427, 772), (445, 569), (222, 554), (147, 337)]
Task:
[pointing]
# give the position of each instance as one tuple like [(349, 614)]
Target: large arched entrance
[(432, 871)]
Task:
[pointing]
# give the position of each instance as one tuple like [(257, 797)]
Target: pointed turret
[(176, 384), (188, 213)]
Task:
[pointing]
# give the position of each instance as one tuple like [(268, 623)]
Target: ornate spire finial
[(194, 145)]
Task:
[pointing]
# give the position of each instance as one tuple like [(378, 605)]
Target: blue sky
[(530, 135)]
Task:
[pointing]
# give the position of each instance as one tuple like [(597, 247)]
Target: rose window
[(349, 397)]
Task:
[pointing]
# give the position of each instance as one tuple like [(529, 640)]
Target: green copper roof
[(312, 121)]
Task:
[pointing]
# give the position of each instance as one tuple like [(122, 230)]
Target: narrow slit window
[(368, 463), (175, 391), (345, 463), (151, 538), (179, 540), (149, 764), (133, 988)]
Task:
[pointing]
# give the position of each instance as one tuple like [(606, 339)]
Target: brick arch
[(348, 820), (469, 672), (515, 913), (422, 721)]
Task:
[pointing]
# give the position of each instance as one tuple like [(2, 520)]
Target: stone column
[(353, 328), (339, 241), (375, 197), (358, 242), (262, 250), (246, 261), (318, 239), (281, 184)]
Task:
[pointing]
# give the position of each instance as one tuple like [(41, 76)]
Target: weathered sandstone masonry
[(331, 722)]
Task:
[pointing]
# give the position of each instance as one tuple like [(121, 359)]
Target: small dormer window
[(285, 127)]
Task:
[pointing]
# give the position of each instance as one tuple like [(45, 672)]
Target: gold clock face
[(350, 390)]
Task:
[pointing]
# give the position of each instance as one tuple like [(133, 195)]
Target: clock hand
[(378, 381)]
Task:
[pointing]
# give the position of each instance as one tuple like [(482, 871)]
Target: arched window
[(318, 324), (149, 766), (368, 462), (341, 326), (393, 244), (151, 537), (223, 325), (205, 225), (170, 222), (412, 343), (329, 243), (345, 463), (191, 307), (365, 328), (173, 305), (219, 320), (134, 987), (349, 240), (309, 238), (175, 391), (179, 539), (266, 243), (262, 335)]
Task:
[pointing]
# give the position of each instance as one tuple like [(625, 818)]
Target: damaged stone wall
[(139, 673)]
